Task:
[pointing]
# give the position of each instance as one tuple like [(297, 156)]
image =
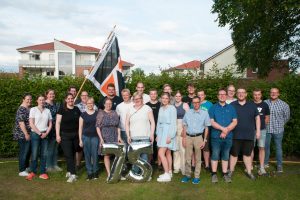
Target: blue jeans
[(38, 146), (220, 146), (52, 153), (24, 147), (278, 145), (90, 149), (136, 169)]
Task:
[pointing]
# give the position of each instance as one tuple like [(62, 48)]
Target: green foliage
[(263, 31), (13, 88)]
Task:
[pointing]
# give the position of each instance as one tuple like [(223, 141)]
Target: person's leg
[(182, 156), (35, 144), (278, 145), (164, 161), (261, 147), (197, 142), (69, 152), (215, 156), (94, 154), (225, 152), (87, 149), (206, 152), (169, 159), (176, 156), (188, 156), (44, 149), (50, 153), (267, 148), (247, 148), (235, 149), (107, 164), (23, 154)]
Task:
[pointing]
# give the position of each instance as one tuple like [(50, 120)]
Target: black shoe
[(251, 176), (207, 169), (89, 177), (96, 175)]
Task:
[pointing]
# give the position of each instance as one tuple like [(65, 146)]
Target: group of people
[(181, 129)]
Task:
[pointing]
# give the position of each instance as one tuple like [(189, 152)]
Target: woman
[(40, 121), (67, 120), (21, 133), (89, 139), (52, 144), (107, 126), (178, 155), (139, 124), (166, 136)]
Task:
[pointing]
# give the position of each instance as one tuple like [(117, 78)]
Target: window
[(51, 73), (34, 56)]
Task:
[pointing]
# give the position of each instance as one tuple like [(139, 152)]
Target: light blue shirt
[(196, 121)]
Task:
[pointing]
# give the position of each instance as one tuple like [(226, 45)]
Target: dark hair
[(191, 85), (106, 99), (222, 89), (71, 86), (66, 96), (196, 97), (178, 92), (26, 95), (153, 90), (165, 93), (257, 90), (201, 90), (110, 85), (47, 92)]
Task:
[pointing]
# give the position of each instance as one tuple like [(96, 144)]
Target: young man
[(195, 123), (230, 94), (111, 94), (191, 94), (264, 113), (140, 90), (223, 120), (82, 105), (72, 89), (205, 105), (168, 89), (280, 115), (244, 132)]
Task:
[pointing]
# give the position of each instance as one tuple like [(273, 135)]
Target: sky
[(152, 34)]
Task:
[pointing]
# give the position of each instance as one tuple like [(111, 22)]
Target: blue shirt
[(206, 105), (196, 121), (223, 115)]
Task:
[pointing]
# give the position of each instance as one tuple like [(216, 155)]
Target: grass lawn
[(280, 186)]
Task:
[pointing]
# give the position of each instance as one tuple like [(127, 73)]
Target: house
[(59, 58), (192, 66)]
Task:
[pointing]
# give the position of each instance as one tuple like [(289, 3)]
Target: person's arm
[(119, 136), (186, 107), (257, 122), (80, 131), (127, 128), (100, 135), (173, 124), (44, 135), (286, 113), (205, 138), (57, 127), (152, 125), (267, 119), (99, 119), (33, 127)]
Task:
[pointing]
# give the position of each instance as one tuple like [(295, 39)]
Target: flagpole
[(111, 32)]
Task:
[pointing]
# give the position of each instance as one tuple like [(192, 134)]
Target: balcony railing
[(36, 63)]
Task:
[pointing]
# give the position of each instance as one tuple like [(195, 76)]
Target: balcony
[(85, 63), (37, 63)]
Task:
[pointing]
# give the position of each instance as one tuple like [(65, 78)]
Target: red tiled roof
[(125, 63), (189, 65), (50, 47)]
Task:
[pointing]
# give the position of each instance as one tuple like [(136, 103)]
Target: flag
[(108, 67)]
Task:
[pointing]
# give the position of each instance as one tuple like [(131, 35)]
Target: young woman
[(21, 133), (178, 155), (40, 121), (67, 122), (166, 136), (89, 139), (107, 126), (52, 144)]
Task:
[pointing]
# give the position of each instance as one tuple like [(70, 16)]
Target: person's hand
[(27, 137), (257, 134), (43, 135), (120, 141), (202, 145), (156, 139), (168, 140), (80, 143), (223, 135), (184, 142), (129, 140), (151, 139), (225, 130), (58, 139)]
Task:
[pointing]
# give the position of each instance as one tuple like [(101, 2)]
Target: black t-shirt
[(89, 124), (70, 119), (188, 100), (263, 110), (246, 123), (155, 108), (116, 101)]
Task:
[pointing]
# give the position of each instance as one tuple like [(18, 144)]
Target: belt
[(194, 135)]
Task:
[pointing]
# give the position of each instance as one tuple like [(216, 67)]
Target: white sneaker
[(72, 178), (123, 178), (68, 174), (27, 170), (164, 178), (176, 171), (170, 173), (23, 173)]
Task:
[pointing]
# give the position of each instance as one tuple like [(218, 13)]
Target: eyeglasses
[(196, 102)]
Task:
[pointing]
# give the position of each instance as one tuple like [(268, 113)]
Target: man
[(244, 132), (230, 94), (223, 120), (205, 105), (72, 89), (82, 105), (140, 90), (195, 123), (168, 89), (280, 115), (154, 104), (191, 94), (264, 113), (111, 94)]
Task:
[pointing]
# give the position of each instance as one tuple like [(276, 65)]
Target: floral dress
[(21, 116), (108, 124)]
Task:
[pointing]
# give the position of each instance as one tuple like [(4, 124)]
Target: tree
[(263, 31)]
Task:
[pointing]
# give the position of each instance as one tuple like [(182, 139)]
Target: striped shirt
[(279, 115)]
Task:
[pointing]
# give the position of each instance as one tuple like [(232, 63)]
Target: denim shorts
[(262, 140), (220, 146)]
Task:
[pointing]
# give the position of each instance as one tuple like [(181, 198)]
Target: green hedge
[(13, 88)]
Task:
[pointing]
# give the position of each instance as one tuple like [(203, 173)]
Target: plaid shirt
[(279, 115), (82, 107)]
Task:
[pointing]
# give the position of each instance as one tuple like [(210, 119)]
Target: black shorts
[(245, 147)]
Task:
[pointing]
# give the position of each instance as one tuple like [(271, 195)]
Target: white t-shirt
[(146, 98), (41, 119), (122, 110), (139, 123)]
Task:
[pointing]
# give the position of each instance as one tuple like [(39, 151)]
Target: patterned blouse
[(53, 109), (21, 116)]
